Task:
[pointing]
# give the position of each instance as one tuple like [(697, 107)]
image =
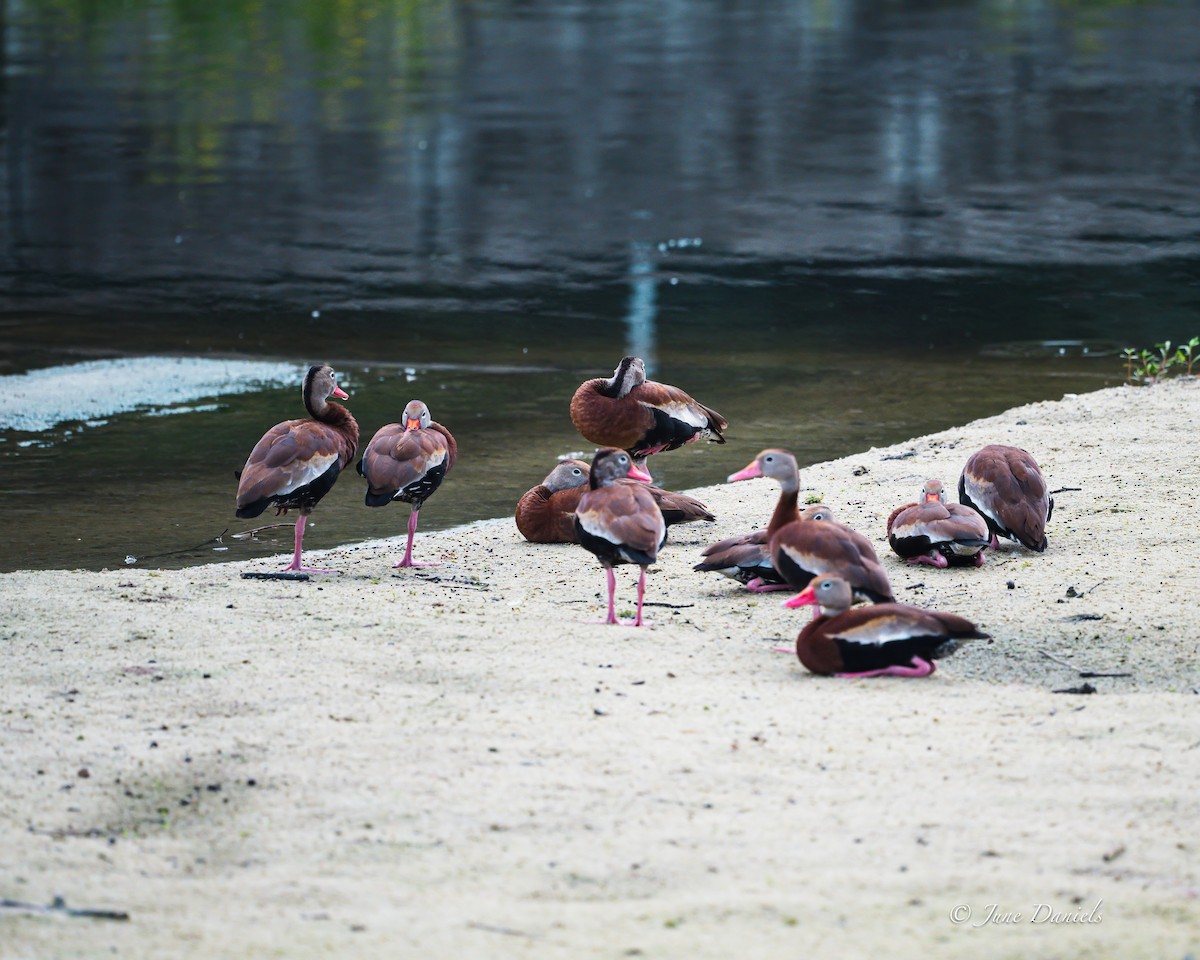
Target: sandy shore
[(458, 763)]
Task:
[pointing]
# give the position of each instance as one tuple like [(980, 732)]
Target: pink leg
[(758, 586), (641, 597), (994, 544), (612, 590), (412, 532), (930, 559), (979, 559), (919, 668), (295, 565)]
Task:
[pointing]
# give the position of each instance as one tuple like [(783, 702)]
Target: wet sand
[(459, 762)]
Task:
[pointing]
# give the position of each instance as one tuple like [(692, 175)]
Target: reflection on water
[(400, 154), (820, 217)]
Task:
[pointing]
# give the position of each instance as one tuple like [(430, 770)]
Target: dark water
[(816, 217)]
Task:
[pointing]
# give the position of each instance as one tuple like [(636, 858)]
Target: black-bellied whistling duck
[(297, 462), (407, 462), (1005, 484), (641, 416), (546, 514), (886, 639), (745, 557), (938, 533), (619, 522), (801, 551)]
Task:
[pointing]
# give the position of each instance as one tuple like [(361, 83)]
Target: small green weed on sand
[(1150, 366)]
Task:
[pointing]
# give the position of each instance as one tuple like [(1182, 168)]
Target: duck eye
[(577, 471)]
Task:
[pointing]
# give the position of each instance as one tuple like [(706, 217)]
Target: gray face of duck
[(609, 464), (416, 416), (933, 492), (817, 511), (629, 373), (320, 384), (567, 475), (833, 595), (777, 464)]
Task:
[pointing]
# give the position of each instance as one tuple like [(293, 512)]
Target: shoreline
[(456, 760)]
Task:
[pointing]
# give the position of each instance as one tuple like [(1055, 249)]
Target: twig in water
[(246, 534)]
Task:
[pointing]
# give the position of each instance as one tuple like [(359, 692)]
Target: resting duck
[(884, 640), (619, 522), (1005, 485), (745, 557), (407, 462), (937, 533), (801, 551), (297, 462), (546, 514), (639, 415)]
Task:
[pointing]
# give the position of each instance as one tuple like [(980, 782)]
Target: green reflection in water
[(198, 75)]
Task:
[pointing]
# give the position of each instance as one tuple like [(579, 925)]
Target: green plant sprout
[(1150, 366), (1187, 354)]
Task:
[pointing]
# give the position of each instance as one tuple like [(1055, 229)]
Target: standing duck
[(546, 514), (297, 462), (745, 557), (937, 533), (1005, 485), (619, 522), (884, 640), (639, 415), (407, 462)]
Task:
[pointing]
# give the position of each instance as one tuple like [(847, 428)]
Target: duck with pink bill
[(745, 557), (937, 533), (619, 522), (297, 462), (881, 640), (546, 513), (799, 550), (406, 463)]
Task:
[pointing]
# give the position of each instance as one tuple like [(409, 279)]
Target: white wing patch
[(877, 633), (587, 521), (311, 470), (685, 412)]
